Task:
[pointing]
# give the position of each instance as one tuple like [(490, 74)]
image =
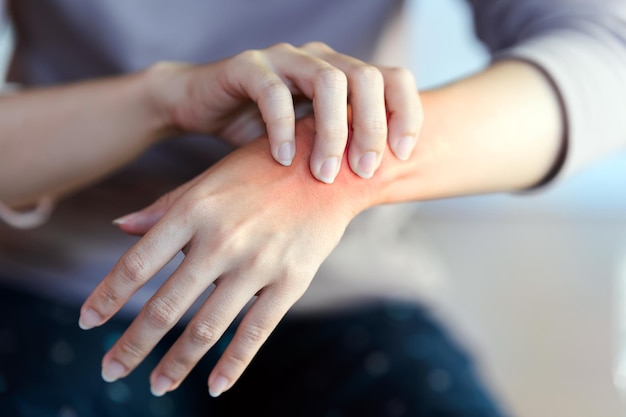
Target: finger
[(369, 119), (160, 314), (263, 316), (326, 87), (139, 222), (132, 271), (331, 125), (366, 92), (251, 76), (201, 334), (406, 114)]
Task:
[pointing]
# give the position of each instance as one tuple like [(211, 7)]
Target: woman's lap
[(382, 359)]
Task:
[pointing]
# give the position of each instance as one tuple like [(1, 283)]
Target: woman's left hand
[(247, 225)]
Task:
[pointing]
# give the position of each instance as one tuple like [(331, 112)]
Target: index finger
[(251, 75), (327, 87), (131, 272)]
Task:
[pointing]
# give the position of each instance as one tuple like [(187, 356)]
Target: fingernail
[(89, 319), (404, 147), (161, 385), (286, 152), (219, 385), (112, 371), (367, 165), (329, 170), (121, 220)]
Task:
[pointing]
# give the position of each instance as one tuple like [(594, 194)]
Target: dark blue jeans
[(382, 359)]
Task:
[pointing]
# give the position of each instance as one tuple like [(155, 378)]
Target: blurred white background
[(533, 277)]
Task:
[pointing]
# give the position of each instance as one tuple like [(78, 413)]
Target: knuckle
[(400, 73), (195, 205), (333, 133), (236, 361), (274, 89), (109, 296), (248, 56), (284, 118), (293, 286), (367, 75), (133, 265), (232, 242), (282, 46), (255, 334), (178, 366), (160, 313), (195, 211), (375, 129), (330, 77), (203, 333), (317, 46), (129, 349)]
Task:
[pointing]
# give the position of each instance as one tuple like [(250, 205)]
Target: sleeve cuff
[(27, 219), (587, 72)]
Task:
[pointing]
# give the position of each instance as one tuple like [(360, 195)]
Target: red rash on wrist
[(349, 191), (347, 184)]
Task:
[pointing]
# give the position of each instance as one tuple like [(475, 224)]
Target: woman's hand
[(242, 97), (247, 225)]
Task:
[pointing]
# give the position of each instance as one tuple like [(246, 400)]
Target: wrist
[(497, 131), (415, 179), (349, 194), (163, 86), (453, 157)]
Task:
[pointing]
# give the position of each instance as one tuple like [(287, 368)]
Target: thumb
[(139, 222)]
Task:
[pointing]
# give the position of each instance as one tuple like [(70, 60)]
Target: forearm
[(55, 140), (501, 130)]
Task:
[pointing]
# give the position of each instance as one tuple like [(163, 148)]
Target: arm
[(71, 136), (581, 47), (268, 230), (552, 101), (500, 130), (59, 139)]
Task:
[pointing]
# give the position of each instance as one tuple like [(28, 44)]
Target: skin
[(260, 231), (297, 221), (237, 99)]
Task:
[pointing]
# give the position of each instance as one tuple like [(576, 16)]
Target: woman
[(254, 227)]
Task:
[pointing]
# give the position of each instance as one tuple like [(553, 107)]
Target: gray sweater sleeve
[(581, 46)]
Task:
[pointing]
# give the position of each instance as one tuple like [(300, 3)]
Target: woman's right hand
[(254, 92)]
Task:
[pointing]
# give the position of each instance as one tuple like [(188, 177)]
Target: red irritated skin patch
[(287, 180)]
